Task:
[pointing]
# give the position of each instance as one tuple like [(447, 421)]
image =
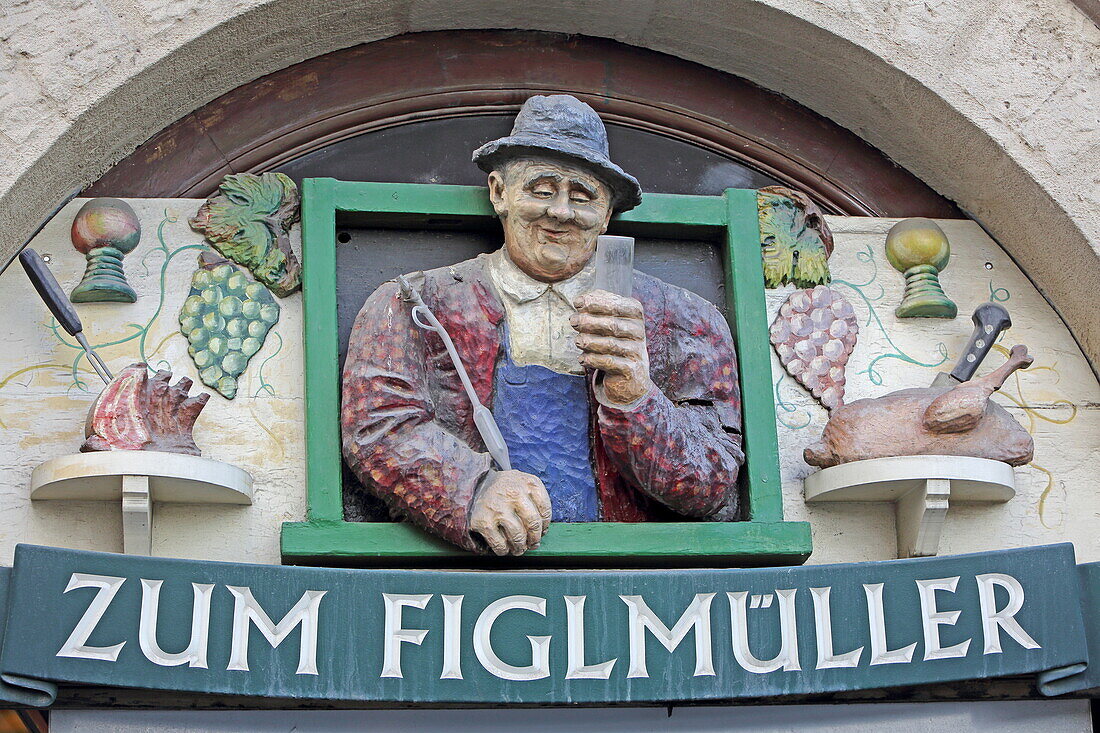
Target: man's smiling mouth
[(554, 233)]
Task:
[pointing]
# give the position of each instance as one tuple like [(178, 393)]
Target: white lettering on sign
[(1000, 599), (246, 611), (77, 644), (787, 658), (932, 618), (881, 653), (394, 635), (576, 668), (823, 625), (697, 616), (452, 641), (993, 620), (540, 645), (195, 653)]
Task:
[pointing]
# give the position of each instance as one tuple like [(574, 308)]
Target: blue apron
[(543, 416)]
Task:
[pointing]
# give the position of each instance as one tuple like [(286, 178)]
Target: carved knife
[(484, 421), (990, 319)]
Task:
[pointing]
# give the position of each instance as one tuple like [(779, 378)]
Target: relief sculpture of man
[(620, 409)]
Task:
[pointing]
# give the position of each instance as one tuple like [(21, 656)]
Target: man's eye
[(580, 199), (542, 192)]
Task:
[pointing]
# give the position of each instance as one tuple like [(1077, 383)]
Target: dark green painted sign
[(541, 637)]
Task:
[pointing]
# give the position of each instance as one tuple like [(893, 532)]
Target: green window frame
[(763, 538)]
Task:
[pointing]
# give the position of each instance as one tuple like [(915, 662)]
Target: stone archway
[(990, 109)]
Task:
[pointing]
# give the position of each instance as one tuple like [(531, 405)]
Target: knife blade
[(990, 320)]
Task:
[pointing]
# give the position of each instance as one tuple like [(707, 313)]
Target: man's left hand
[(611, 336)]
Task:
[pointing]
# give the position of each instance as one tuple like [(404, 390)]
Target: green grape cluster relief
[(225, 318)]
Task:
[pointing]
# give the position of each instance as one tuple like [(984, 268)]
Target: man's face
[(552, 213)]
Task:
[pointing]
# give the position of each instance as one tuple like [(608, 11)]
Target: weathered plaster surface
[(42, 405), (993, 103)]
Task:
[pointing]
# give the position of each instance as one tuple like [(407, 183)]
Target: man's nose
[(560, 209)]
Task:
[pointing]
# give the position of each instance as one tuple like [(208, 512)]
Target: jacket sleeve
[(391, 438), (681, 442)]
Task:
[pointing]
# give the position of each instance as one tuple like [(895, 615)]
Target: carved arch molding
[(319, 103)]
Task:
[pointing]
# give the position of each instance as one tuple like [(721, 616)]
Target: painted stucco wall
[(993, 103), (46, 388)]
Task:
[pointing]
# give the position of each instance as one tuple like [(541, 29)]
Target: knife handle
[(50, 292), (990, 319)]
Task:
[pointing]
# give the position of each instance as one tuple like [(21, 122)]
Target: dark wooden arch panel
[(433, 76)]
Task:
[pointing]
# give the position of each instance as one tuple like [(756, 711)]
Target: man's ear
[(496, 193)]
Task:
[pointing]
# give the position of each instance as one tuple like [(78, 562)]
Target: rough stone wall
[(46, 388), (992, 102)]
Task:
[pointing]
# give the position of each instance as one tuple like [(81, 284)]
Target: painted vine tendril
[(140, 332), (867, 293), (1033, 414)]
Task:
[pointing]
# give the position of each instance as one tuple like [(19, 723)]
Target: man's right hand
[(511, 513)]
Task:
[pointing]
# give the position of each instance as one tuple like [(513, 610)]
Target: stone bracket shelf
[(921, 487), (139, 479)]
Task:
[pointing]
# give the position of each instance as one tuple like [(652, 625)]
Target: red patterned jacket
[(408, 429)]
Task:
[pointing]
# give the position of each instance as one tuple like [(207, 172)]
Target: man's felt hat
[(565, 127)]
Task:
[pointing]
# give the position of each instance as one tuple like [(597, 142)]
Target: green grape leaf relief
[(248, 220), (795, 240)]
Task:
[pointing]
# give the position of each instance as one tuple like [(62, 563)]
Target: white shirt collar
[(522, 288)]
